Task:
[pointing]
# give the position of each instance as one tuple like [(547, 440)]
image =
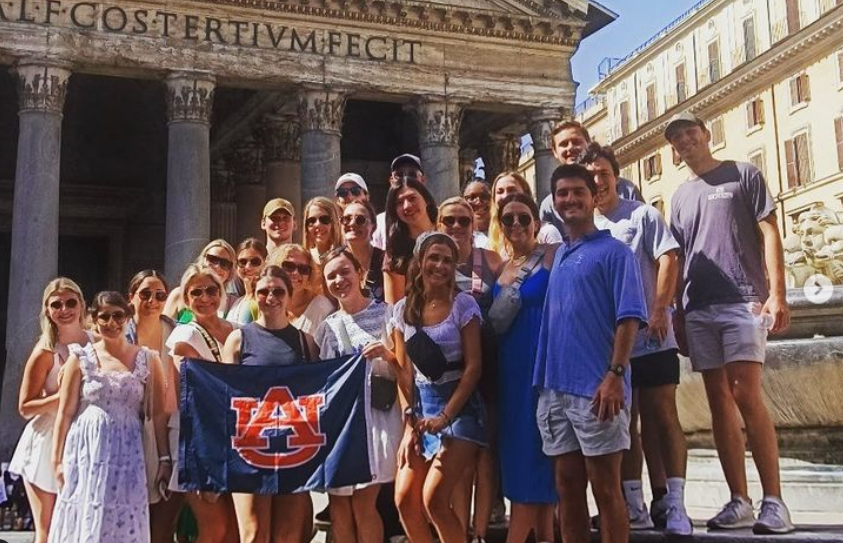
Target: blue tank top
[(262, 347)]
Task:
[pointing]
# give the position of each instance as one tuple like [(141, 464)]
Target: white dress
[(104, 497), (385, 427)]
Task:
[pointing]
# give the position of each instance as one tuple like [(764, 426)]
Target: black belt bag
[(428, 357)]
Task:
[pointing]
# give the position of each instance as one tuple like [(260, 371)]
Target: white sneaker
[(639, 519), (735, 514), (678, 522), (774, 518)]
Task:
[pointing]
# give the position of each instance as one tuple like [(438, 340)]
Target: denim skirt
[(468, 425)]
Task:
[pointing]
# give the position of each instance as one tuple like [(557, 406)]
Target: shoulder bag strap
[(209, 341), (529, 267), (477, 272), (304, 349)]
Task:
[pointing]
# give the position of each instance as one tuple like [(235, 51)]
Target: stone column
[(35, 226), (321, 111), (281, 138), (467, 158), (540, 124), (223, 206), (189, 101), (246, 164), (439, 121), (501, 153)]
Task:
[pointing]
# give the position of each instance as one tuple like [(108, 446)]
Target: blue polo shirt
[(594, 284)]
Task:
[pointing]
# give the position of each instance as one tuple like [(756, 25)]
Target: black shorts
[(655, 370)]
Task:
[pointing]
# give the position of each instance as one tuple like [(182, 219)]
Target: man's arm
[(608, 400), (668, 270), (776, 304)]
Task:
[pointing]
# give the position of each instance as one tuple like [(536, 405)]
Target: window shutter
[(647, 171), (838, 134), (658, 168), (681, 89), (794, 91), (790, 159), (803, 159), (760, 113), (840, 64), (750, 114), (805, 87)]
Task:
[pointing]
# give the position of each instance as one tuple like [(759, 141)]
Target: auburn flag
[(273, 429)]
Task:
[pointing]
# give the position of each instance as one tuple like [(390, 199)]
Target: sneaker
[(658, 512), (774, 518), (324, 515), (677, 521), (639, 519), (735, 514)]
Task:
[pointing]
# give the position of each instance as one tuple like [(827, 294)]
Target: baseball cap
[(678, 119), (407, 158), (351, 178), (278, 204)]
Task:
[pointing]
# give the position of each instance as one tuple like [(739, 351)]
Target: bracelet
[(165, 458), (445, 416)]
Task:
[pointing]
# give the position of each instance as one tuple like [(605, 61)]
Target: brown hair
[(521, 199), (414, 304), (275, 272), (497, 242), (252, 243), (110, 297), (571, 125), (135, 282)]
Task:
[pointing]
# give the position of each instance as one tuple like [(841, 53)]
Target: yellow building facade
[(767, 76)]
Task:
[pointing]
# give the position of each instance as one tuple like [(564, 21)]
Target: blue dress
[(526, 472)]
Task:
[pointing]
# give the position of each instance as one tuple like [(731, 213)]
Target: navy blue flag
[(273, 429)]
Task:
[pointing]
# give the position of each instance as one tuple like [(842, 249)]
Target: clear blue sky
[(638, 21)]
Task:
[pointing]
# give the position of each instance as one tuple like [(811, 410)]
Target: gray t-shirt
[(625, 188), (642, 228), (715, 220)]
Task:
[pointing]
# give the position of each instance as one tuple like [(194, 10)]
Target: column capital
[(540, 123), (190, 97), (245, 162), (439, 120), (42, 86), (321, 109), (501, 153), (280, 135)]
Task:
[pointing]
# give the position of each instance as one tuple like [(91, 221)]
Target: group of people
[(514, 347)]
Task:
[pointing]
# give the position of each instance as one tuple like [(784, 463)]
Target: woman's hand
[(162, 478), (59, 470), (433, 425), (409, 446), (377, 349)]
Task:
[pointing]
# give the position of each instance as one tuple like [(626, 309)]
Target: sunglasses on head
[(118, 316), (343, 192), (255, 262), (219, 262), (212, 291), (277, 292), (348, 220), (146, 294), (509, 219), (70, 303), (323, 219), (303, 269), (450, 221)]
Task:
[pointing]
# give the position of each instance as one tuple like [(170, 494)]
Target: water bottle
[(762, 320)]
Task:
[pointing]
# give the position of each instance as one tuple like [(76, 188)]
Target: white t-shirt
[(318, 308), (187, 333), (379, 236)]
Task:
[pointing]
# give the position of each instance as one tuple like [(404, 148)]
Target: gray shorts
[(724, 333), (567, 424)]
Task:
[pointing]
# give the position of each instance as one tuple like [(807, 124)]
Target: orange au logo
[(279, 410)]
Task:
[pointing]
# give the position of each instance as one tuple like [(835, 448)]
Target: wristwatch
[(617, 369), (409, 415)]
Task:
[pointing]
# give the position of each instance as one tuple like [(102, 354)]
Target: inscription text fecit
[(199, 28)]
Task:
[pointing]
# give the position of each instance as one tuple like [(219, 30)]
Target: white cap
[(351, 178)]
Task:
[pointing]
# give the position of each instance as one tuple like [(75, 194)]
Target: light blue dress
[(526, 473)]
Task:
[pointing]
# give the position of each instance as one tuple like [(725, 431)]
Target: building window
[(718, 136), (682, 86), (797, 154), (624, 113), (651, 101), (677, 160), (714, 61), (749, 39), (794, 17), (754, 113), (800, 90), (838, 137), (757, 159), (652, 166)]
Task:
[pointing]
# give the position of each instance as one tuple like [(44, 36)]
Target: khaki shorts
[(724, 333), (567, 424)]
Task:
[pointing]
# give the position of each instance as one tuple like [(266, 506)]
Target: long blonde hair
[(226, 246), (497, 242), (49, 331), (329, 207), (195, 271), (282, 252)]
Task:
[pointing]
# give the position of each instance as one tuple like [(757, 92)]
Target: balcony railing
[(593, 100)]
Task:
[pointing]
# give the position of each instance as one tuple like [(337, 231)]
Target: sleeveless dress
[(261, 346), (104, 496), (526, 473)]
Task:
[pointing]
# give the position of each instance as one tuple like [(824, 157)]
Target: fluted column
[(540, 124), (281, 138), (501, 153), (439, 121), (246, 163), (223, 205), (321, 111), (35, 226), (189, 102)]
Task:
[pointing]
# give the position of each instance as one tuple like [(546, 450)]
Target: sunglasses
[(348, 220), (483, 197), (118, 316), (212, 291), (323, 219), (70, 303), (524, 219), (343, 192), (255, 262), (289, 266), (277, 292), (146, 294), (450, 221), (219, 262)]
